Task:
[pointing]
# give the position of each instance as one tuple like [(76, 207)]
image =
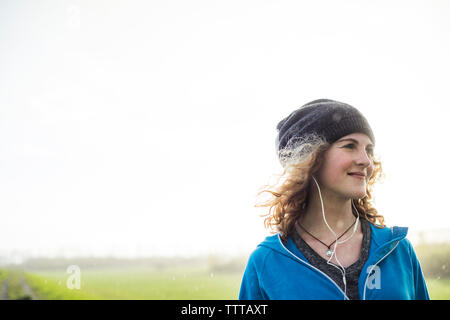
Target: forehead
[(360, 137)]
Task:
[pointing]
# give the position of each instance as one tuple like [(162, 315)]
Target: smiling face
[(343, 161)]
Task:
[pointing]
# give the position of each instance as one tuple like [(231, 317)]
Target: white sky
[(147, 127)]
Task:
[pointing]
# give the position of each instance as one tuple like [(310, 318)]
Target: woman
[(331, 241)]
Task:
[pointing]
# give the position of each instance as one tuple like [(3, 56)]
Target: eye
[(352, 146)]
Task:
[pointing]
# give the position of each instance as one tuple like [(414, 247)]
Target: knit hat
[(324, 117)]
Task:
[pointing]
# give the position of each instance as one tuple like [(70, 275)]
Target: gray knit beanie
[(324, 117)]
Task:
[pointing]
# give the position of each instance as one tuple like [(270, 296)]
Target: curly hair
[(301, 159)]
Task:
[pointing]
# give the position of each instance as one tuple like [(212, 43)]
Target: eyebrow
[(354, 141)]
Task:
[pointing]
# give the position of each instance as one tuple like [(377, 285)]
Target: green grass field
[(145, 283), (138, 283), (439, 289)]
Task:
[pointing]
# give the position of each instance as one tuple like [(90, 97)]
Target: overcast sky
[(147, 127)]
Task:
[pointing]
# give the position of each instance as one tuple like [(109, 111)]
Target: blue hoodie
[(279, 271)]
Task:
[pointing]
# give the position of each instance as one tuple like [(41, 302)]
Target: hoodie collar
[(382, 241)]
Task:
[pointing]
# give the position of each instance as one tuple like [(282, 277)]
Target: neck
[(338, 213)]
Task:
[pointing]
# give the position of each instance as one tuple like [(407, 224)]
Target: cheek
[(335, 169)]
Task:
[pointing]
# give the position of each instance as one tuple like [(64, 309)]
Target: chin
[(356, 194), (359, 195)]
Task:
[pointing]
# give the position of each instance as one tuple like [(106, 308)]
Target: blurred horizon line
[(141, 252)]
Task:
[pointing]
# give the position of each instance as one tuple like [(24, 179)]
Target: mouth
[(357, 175)]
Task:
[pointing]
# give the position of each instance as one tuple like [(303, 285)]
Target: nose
[(363, 159)]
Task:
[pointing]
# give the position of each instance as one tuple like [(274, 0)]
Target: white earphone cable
[(340, 267)]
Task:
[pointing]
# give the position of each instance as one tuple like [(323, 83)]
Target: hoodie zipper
[(373, 267), (324, 274)]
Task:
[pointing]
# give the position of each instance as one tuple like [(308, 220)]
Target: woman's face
[(345, 158)]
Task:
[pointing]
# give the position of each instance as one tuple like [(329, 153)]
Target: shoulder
[(408, 247), (263, 251)]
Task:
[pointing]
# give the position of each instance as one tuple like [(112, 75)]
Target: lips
[(357, 175)]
